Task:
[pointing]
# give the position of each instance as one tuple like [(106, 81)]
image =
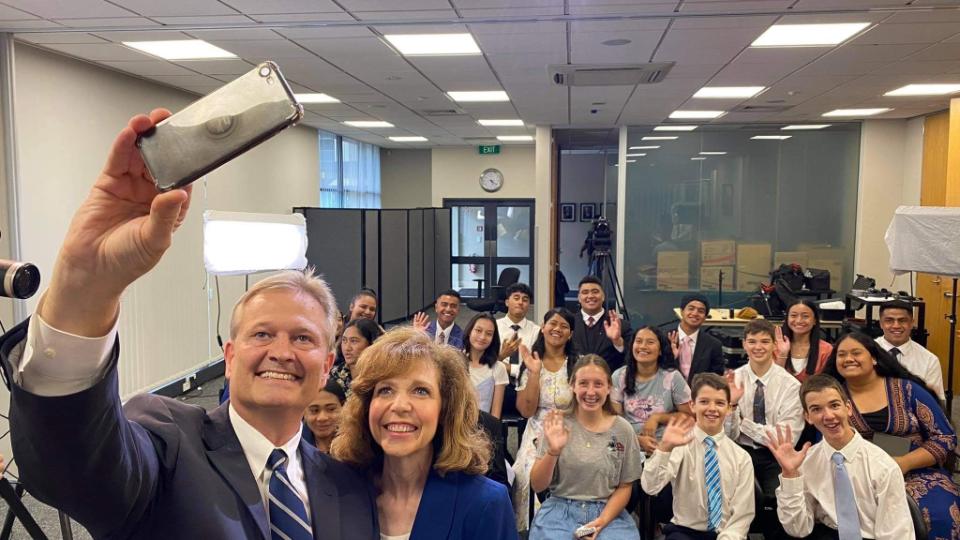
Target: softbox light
[(925, 239), (243, 243)]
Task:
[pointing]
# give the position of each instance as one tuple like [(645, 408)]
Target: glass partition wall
[(732, 202)]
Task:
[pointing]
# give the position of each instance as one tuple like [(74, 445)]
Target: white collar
[(586, 316), (509, 322), (849, 450), (692, 337), (256, 447), (753, 378), (887, 345), (700, 435)]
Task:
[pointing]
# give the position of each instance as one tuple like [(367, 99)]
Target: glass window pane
[(329, 161), (513, 231), (467, 235), (463, 278), (351, 164), (715, 201)]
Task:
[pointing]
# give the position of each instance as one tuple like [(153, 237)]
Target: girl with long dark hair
[(481, 345), (801, 349)]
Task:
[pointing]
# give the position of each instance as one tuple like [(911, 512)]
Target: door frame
[(489, 235)]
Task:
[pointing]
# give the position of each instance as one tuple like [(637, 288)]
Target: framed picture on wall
[(568, 211), (588, 211)]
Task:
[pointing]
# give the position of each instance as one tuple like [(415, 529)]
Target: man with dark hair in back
[(597, 331), (896, 321), (515, 329), (444, 330), (696, 351)]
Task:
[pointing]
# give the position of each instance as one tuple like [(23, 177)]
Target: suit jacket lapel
[(324, 499), (226, 455), (700, 360), (434, 519)]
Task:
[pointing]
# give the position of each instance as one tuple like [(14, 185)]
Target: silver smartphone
[(219, 127)]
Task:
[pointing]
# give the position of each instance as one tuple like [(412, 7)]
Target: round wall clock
[(491, 180)]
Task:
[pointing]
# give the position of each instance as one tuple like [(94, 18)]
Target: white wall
[(891, 154), (455, 173), (68, 113), (405, 178)]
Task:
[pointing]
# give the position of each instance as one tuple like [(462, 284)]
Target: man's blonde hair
[(305, 282)]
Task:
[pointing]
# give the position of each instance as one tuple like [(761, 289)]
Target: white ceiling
[(334, 46)]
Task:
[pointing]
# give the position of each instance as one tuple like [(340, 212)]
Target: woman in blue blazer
[(411, 422)]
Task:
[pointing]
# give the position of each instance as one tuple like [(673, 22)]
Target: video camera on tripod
[(600, 237)]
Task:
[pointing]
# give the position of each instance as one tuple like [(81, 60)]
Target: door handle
[(948, 295), (937, 280)]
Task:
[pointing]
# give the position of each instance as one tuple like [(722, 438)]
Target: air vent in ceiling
[(762, 108), (608, 74), (479, 139), (441, 112)]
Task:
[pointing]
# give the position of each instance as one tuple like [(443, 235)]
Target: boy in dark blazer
[(696, 351), (597, 331)]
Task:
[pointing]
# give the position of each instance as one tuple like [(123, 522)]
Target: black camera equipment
[(598, 243), (20, 279)]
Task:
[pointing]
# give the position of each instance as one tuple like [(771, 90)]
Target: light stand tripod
[(601, 266)]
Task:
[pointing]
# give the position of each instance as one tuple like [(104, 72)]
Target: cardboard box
[(753, 265), (718, 252), (673, 270), (789, 257), (710, 278), (828, 259)]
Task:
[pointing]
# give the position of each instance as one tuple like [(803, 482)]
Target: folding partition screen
[(403, 254)]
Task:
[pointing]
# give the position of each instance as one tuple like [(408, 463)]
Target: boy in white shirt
[(712, 477), (842, 487), (763, 394)]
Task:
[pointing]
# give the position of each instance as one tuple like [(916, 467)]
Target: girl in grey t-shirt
[(588, 458)]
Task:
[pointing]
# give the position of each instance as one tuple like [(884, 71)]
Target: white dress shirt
[(528, 333), (692, 337), (82, 364), (683, 467), (919, 361), (878, 489), (781, 398), (256, 448)]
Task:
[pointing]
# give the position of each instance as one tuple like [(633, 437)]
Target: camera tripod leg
[(18, 511)]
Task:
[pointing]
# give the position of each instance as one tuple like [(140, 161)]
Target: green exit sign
[(484, 149)]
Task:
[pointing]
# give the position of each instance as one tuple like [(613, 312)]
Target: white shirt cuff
[(56, 363)]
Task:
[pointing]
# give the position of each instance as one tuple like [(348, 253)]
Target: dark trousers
[(767, 472), (679, 532)]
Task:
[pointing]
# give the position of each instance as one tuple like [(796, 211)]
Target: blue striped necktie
[(711, 474), (288, 517)]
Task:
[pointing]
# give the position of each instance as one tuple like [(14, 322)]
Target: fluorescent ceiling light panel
[(408, 139), (316, 98), (924, 90), (857, 112), (631, 161), (180, 49), (713, 153), (433, 44), (489, 95), (244, 243), (515, 138), (659, 138), (635, 155), (675, 127), (770, 137), (808, 35), (800, 127), (699, 158), (368, 124), (690, 115), (501, 123), (728, 92), (645, 147)]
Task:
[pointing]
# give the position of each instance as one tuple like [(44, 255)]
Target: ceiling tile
[(235, 34), (457, 72), (8, 13), (736, 6), (907, 33), (150, 68), (99, 51), (60, 37), (937, 53), (288, 7), (752, 21), (218, 67), (512, 12), (67, 9), (704, 46), (588, 47), (142, 35), (150, 8), (220, 20), (120, 22)]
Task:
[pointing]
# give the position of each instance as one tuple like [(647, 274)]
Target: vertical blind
[(349, 173)]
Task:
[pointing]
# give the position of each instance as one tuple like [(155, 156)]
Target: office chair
[(919, 526), (497, 295)]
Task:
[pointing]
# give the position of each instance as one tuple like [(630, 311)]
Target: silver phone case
[(219, 127)]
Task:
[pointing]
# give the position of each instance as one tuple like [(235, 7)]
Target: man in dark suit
[(159, 468), (696, 351), (597, 331), (443, 330)]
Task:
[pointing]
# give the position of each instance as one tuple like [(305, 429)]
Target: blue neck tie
[(759, 406), (711, 474), (288, 517), (848, 520)]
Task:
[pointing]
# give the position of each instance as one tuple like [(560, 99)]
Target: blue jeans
[(559, 517)]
